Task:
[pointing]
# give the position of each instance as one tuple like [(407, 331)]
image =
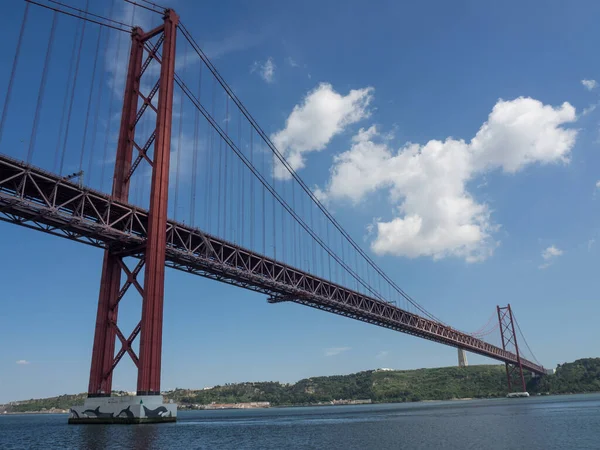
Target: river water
[(544, 423)]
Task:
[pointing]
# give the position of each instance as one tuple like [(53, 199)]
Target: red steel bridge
[(183, 135)]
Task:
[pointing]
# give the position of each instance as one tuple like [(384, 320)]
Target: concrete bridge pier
[(462, 358)]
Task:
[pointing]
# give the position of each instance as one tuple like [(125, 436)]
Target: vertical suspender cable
[(264, 211), (356, 269), (232, 190), (13, 71), (42, 88), (65, 100), (207, 175), (283, 221), (211, 157), (98, 102), (343, 259), (321, 250), (110, 111), (66, 136), (301, 238), (195, 157), (178, 162), (328, 244), (219, 180), (240, 182), (294, 236), (274, 212), (133, 15), (242, 185), (226, 168), (313, 242), (89, 105), (252, 191)]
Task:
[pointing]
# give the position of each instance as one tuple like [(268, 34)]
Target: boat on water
[(517, 394)]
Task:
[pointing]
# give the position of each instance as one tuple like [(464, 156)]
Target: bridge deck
[(37, 199)]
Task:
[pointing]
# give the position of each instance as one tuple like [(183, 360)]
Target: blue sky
[(521, 215)]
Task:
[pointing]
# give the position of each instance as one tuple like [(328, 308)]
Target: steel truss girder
[(91, 217)]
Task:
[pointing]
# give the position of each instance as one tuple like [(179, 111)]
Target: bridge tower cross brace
[(159, 45), (514, 372)]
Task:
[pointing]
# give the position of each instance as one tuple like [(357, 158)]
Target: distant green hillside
[(378, 385), (579, 376), (44, 404)]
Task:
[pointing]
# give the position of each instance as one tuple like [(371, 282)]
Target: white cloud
[(382, 354), (323, 114), (590, 109), (598, 184), (590, 244), (291, 61), (550, 254), (589, 84), (23, 362), (333, 351), (434, 214), (266, 70)]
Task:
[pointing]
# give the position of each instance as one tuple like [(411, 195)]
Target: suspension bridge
[(197, 186)]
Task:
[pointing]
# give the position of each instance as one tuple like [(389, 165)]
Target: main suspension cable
[(265, 183), (87, 13), (86, 19), (525, 340), (284, 162)]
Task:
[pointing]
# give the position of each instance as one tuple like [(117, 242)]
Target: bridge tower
[(147, 406), (514, 372)]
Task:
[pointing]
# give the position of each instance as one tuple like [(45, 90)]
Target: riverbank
[(312, 405), (377, 386)]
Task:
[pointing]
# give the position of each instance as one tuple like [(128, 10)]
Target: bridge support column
[(154, 277), (147, 405), (514, 372), (106, 331), (462, 358)]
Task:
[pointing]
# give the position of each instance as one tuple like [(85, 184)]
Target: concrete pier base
[(131, 409)]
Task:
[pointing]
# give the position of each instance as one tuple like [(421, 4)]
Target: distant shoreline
[(64, 412), (369, 386)]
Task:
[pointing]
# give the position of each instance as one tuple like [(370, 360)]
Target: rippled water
[(545, 423)]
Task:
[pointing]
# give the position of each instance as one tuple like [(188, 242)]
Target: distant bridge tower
[(514, 372), (462, 358)]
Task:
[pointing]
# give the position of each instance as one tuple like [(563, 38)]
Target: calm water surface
[(544, 423)]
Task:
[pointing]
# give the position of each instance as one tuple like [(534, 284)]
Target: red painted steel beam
[(156, 244), (514, 333), (501, 326), (105, 333)]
